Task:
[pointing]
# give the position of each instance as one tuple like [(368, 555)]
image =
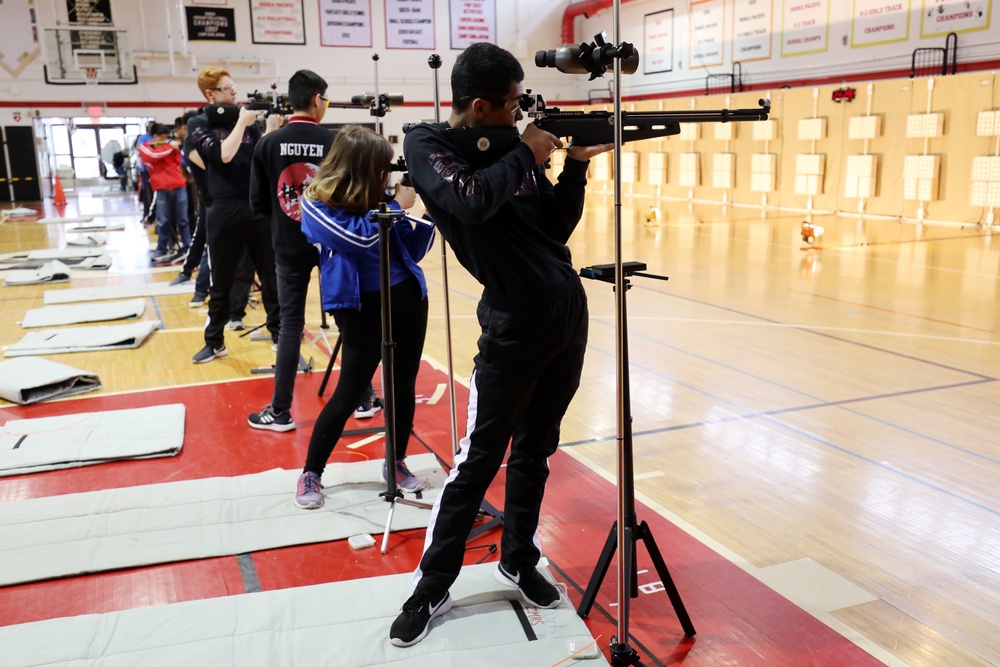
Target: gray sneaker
[(180, 279), (208, 353), (236, 325), (405, 479), (308, 495), (197, 300)]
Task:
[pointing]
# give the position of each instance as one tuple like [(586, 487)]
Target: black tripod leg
[(329, 366), (596, 579), (668, 583), (495, 521)]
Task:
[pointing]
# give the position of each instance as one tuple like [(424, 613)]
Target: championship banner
[(706, 33), (805, 27), (409, 24), (345, 22), (473, 21), (277, 22), (879, 22), (210, 25), (752, 30), (658, 42), (943, 16)]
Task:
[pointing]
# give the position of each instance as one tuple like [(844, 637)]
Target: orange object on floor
[(60, 197)]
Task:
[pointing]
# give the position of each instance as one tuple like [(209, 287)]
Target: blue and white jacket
[(348, 251)]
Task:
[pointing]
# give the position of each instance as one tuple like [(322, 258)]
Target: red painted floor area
[(738, 620)]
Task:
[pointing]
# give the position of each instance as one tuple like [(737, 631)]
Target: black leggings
[(361, 337)]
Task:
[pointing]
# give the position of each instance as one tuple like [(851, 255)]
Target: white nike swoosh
[(435, 607), (516, 579)]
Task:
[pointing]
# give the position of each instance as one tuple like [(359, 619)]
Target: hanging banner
[(409, 24), (706, 33), (943, 16), (345, 22), (277, 22), (752, 21), (473, 21), (880, 22), (658, 42), (210, 25), (88, 12), (805, 27)]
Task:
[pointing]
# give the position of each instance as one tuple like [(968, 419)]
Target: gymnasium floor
[(815, 436)]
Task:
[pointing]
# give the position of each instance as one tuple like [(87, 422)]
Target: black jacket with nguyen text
[(285, 161)]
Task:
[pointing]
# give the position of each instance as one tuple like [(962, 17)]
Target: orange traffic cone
[(60, 197)]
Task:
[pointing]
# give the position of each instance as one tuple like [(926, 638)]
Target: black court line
[(251, 582), (20, 440), (529, 632), (781, 411)]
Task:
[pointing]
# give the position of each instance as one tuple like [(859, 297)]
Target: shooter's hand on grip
[(540, 142), (584, 153), (405, 196)]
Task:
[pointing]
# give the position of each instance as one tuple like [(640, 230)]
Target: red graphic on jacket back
[(292, 182)]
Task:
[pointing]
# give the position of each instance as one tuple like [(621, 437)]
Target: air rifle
[(482, 146), (589, 128)]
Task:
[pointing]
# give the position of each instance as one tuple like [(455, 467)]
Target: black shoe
[(533, 587), (414, 621), (208, 353), (271, 420)]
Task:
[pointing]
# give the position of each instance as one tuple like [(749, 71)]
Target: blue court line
[(978, 379), (156, 307)]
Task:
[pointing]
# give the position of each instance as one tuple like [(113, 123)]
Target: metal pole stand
[(631, 531), (392, 495)]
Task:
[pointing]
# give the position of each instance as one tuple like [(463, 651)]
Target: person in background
[(162, 158), (226, 149), (145, 189), (350, 182), (284, 164)]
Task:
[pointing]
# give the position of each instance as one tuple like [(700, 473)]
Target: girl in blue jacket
[(349, 184)]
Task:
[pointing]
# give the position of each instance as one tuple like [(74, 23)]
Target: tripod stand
[(392, 495), (626, 532)]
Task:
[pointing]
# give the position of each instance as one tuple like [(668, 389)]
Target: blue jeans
[(172, 219)]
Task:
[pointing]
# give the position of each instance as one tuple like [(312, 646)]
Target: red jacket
[(164, 165)]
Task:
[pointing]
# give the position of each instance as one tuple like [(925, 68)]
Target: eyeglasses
[(510, 106), (231, 89), (326, 100)]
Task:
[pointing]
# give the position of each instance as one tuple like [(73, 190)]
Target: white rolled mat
[(343, 624), (60, 536), (52, 316), (103, 293), (88, 438), (83, 339), (50, 272), (27, 380)]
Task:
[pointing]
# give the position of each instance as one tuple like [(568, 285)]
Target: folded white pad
[(116, 292), (70, 441), (83, 339), (344, 623), (27, 380), (53, 316), (59, 536)]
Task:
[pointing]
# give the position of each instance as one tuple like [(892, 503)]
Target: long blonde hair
[(354, 173)]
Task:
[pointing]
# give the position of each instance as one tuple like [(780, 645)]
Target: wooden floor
[(822, 414)]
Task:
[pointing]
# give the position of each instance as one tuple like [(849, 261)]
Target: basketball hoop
[(90, 74)]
